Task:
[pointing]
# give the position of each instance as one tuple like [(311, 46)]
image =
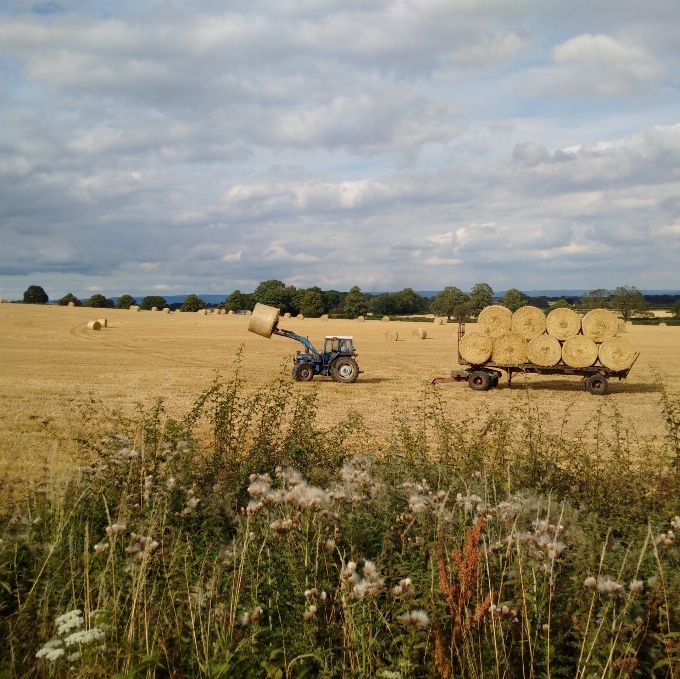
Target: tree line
[(313, 302)]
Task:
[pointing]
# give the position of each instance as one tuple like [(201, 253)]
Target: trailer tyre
[(345, 370), (597, 385), (480, 380), (303, 372)]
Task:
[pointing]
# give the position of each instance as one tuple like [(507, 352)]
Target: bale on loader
[(579, 351), (600, 325), (563, 323), (94, 325), (263, 320), (544, 351), (419, 333), (509, 349), (103, 322), (617, 354), (529, 322), (495, 320), (475, 347), (391, 336)]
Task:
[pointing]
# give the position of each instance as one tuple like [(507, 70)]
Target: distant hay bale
[(103, 322), (300, 317), (263, 320), (579, 351), (249, 313), (71, 304), (439, 321), (178, 311), (563, 323), (600, 325), (475, 347), (529, 322), (629, 322), (231, 312), (324, 317), (202, 312), (166, 310), (133, 307), (385, 319), (154, 308), (4, 301), (391, 335), (360, 319), (94, 325), (617, 354), (495, 320), (662, 325), (419, 333), (286, 315), (544, 351), (137, 308), (509, 349), (622, 326)]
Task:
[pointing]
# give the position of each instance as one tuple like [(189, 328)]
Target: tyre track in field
[(81, 332)]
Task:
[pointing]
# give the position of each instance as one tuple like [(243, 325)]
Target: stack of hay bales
[(527, 335)]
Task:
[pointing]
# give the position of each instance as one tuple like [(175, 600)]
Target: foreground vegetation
[(243, 541)]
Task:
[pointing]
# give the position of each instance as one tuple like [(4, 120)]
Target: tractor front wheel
[(303, 372), (345, 370)]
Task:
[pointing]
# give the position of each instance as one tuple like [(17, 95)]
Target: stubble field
[(51, 364)]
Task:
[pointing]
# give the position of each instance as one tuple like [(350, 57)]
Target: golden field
[(50, 364)]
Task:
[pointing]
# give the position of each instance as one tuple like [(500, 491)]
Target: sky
[(199, 146)]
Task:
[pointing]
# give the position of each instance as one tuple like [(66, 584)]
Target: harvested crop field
[(52, 364)]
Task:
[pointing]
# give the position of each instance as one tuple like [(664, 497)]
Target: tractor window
[(345, 345), (335, 344)]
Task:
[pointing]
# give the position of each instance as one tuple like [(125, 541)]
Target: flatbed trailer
[(486, 375)]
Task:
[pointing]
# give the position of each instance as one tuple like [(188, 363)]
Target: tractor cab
[(338, 345)]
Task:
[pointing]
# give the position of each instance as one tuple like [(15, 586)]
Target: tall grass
[(244, 541)]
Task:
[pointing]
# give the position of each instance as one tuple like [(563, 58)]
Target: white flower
[(416, 618), (115, 529), (101, 547), (636, 586), (51, 650), (69, 621), (73, 657), (171, 483), (675, 523), (590, 582), (606, 585), (85, 636), (404, 588)]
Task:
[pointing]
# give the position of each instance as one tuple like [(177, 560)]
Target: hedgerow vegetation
[(244, 541)]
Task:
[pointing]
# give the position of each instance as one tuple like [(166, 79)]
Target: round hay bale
[(4, 301), (249, 313), (178, 311), (103, 322), (133, 307), (529, 322), (495, 320), (629, 322), (300, 317), (475, 347), (509, 349), (166, 310), (563, 323), (286, 315), (154, 308), (419, 333), (137, 308), (391, 336), (231, 312), (617, 354), (71, 304), (263, 320), (360, 319), (622, 326), (94, 325), (662, 325), (600, 325), (544, 351), (324, 317), (385, 319), (579, 351)]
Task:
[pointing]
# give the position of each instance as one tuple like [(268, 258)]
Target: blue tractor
[(336, 360)]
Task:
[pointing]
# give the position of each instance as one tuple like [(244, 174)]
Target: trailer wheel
[(597, 385), (303, 372), (345, 369), (480, 380)]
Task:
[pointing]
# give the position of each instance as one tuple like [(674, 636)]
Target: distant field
[(50, 363)]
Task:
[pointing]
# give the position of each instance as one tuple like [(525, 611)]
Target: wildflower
[(404, 588), (505, 610), (415, 618), (85, 636), (329, 545), (148, 483), (309, 614), (73, 657), (51, 651), (675, 523), (608, 586), (389, 674), (115, 529), (417, 503), (69, 621), (545, 628), (651, 581), (590, 583), (101, 547), (636, 586), (171, 483), (247, 617)]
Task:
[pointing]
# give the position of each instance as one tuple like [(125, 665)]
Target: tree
[(275, 293), (450, 302), (332, 299), (234, 302), (480, 297), (355, 304), (35, 295), (311, 304), (69, 297), (596, 299), (560, 304), (99, 302), (513, 299), (675, 309), (192, 303), (629, 302), (125, 302), (151, 301)]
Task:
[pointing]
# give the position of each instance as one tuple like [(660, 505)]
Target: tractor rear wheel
[(597, 385), (480, 380), (345, 369), (303, 372)]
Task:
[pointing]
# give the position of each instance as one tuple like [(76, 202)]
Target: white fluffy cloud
[(383, 142)]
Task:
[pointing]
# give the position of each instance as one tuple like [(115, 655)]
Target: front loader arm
[(307, 344)]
